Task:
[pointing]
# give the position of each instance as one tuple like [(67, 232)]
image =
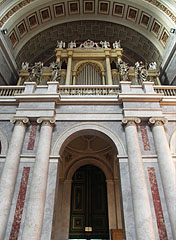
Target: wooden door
[(89, 204)]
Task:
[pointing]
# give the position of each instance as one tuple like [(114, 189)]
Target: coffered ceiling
[(34, 26)]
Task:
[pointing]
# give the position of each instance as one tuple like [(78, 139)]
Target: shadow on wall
[(173, 83)]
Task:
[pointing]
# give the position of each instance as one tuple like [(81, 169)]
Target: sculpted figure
[(55, 71), (25, 65), (116, 44), (152, 66), (141, 72), (123, 69), (72, 44), (60, 44), (105, 44), (35, 72)]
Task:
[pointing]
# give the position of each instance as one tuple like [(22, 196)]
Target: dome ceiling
[(34, 26)]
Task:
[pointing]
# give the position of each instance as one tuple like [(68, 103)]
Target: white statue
[(60, 44), (141, 72), (55, 71), (25, 65), (105, 44), (152, 66), (116, 44), (137, 64), (72, 44), (35, 72)]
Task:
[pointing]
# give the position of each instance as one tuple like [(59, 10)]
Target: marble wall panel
[(20, 204), (158, 203), (128, 213), (170, 127), (1, 167), (7, 128), (31, 139), (146, 139), (17, 212), (89, 108), (50, 201)]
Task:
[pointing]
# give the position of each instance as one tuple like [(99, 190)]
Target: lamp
[(4, 31), (172, 30)]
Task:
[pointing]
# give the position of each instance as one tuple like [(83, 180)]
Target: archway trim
[(62, 140)]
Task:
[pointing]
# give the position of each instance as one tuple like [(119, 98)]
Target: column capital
[(130, 121), (20, 120), (160, 121), (107, 52), (70, 52), (46, 121)]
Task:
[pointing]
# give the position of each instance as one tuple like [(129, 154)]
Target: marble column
[(69, 66), (140, 197), (36, 202), (108, 67), (166, 167), (10, 170)]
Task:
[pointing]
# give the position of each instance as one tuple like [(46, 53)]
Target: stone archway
[(87, 146)]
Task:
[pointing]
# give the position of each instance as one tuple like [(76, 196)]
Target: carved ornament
[(157, 121), (130, 121), (20, 121), (46, 121)]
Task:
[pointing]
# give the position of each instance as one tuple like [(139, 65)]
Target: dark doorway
[(89, 213)]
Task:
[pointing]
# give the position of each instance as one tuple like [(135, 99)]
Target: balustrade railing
[(11, 90), (166, 90), (89, 90), (86, 90)]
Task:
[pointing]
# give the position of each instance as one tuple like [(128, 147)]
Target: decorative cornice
[(20, 120), (130, 121), (24, 3), (13, 10), (163, 8), (157, 121)]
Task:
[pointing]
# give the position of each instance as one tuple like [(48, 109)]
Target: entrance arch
[(86, 146)]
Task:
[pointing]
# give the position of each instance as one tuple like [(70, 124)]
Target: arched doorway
[(81, 148), (89, 210)]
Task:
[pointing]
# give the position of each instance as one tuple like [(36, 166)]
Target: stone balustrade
[(84, 90)]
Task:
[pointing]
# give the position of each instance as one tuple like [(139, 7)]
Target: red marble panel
[(157, 204), (20, 204), (145, 138), (32, 137)]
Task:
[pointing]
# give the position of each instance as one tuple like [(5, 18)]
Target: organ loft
[(88, 148)]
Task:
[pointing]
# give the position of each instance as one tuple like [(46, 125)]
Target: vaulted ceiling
[(34, 26)]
